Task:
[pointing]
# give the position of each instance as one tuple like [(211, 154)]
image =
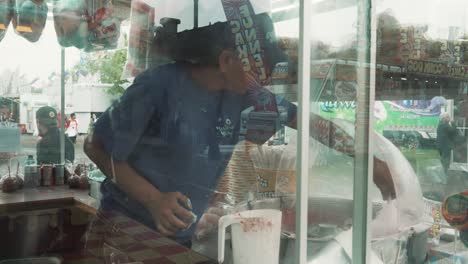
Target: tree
[(108, 65), (14, 82)]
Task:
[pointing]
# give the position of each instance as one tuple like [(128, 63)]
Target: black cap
[(47, 116), (206, 43)]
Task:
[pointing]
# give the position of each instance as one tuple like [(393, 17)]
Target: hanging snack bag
[(71, 23), (29, 18), (103, 25), (91, 25), (141, 35), (6, 14)]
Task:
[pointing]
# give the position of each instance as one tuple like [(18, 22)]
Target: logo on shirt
[(226, 129)]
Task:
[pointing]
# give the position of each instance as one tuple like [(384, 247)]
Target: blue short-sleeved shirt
[(176, 134)]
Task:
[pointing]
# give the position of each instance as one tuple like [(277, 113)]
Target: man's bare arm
[(331, 135), (163, 206)]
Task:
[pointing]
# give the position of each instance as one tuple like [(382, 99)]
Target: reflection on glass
[(427, 53), (400, 115), (31, 117), (178, 124), (419, 129), (200, 138)]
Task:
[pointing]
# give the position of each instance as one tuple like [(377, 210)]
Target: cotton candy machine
[(397, 230)]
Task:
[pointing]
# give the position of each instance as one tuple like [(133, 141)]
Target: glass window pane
[(419, 109), (141, 126), (334, 85)]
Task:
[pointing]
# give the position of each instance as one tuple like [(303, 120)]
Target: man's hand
[(170, 212)]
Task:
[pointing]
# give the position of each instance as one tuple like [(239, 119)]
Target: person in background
[(59, 118), (72, 128), (91, 123), (5, 113), (64, 120), (48, 147), (93, 118), (446, 133)]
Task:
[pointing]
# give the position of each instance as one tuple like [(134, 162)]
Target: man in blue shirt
[(166, 143), (171, 134)]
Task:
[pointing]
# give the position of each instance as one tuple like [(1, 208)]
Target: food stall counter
[(108, 235), (46, 198)]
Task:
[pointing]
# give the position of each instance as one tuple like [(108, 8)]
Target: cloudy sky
[(37, 59)]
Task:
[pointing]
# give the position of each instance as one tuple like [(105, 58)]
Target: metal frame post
[(62, 105), (363, 163), (302, 192), (195, 13)]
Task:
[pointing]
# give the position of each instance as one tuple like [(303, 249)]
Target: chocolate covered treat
[(9, 185), (74, 182)]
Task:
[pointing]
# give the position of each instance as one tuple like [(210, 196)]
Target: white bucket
[(255, 236)]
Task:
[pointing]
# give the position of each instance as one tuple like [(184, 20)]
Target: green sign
[(404, 115)]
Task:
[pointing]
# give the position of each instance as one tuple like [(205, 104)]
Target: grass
[(419, 157)]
